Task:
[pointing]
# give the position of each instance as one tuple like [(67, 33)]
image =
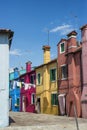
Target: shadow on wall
[(11, 120), (45, 103)]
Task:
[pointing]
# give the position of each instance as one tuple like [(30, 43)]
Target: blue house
[(15, 99), (14, 90)]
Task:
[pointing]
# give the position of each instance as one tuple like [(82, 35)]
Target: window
[(62, 49), (17, 102), (32, 77), (33, 98), (38, 79), (54, 99), (64, 72), (52, 74)]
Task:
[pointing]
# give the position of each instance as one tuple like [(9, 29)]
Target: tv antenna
[(48, 36)]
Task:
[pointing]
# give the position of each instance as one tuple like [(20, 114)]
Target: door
[(38, 108), (24, 104)]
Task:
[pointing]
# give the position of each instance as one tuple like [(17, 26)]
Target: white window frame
[(33, 77), (32, 98), (61, 70), (60, 47), (37, 79)]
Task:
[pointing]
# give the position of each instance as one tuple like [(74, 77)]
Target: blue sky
[(31, 19)]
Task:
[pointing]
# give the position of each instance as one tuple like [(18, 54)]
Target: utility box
[(5, 43)]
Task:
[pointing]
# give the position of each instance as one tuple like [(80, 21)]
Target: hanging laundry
[(14, 84), (26, 86)]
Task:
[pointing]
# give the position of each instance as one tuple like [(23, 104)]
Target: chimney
[(84, 33), (84, 68), (72, 43), (28, 66), (46, 53)]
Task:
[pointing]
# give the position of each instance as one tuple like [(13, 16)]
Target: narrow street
[(31, 121)]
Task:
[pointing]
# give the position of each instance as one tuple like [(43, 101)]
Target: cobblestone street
[(31, 121)]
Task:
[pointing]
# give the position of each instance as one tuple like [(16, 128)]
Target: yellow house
[(46, 85)]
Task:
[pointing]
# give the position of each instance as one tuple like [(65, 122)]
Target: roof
[(85, 26), (8, 31), (46, 63), (46, 47), (26, 73), (10, 34), (61, 41), (72, 33)]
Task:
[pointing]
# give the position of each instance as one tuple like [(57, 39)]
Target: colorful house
[(15, 98), (46, 85), (72, 80), (69, 80), (84, 71), (14, 90), (28, 90)]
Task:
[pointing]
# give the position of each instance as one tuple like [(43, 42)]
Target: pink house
[(84, 72), (28, 89)]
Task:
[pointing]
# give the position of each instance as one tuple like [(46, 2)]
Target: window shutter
[(60, 72), (17, 101), (56, 99), (52, 99), (50, 75)]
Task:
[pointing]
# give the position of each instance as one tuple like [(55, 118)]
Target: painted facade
[(15, 99), (14, 90), (5, 43), (84, 72), (28, 90), (46, 85), (69, 66)]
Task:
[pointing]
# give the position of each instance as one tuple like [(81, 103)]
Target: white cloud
[(16, 52), (63, 29)]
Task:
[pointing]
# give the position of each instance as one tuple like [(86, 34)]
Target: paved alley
[(31, 121)]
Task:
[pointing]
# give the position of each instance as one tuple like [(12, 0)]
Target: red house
[(70, 75), (28, 89)]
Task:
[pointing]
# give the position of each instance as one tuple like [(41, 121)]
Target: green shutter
[(50, 75), (52, 101), (38, 78), (17, 101), (62, 47), (56, 100)]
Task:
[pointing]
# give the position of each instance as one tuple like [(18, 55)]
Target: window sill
[(53, 81), (39, 85), (62, 52), (54, 105), (64, 78)]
